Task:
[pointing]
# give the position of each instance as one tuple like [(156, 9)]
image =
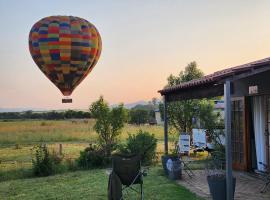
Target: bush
[(142, 143), (138, 116), (92, 157), (44, 163)]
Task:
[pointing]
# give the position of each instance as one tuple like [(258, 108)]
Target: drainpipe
[(165, 126), (229, 178)]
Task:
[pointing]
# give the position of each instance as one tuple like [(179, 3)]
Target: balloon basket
[(67, 100)]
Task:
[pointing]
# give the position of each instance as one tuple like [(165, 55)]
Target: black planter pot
[(217, 187), (175, 170), (164, 160)]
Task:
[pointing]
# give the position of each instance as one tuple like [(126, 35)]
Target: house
[(246, 90)]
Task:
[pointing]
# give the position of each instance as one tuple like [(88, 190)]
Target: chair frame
[(185, 164)]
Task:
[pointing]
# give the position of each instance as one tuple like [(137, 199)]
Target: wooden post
[(266, 103), (60, 149), (165, 126), (229, 177)]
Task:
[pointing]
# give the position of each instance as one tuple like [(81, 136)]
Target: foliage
[(50, 115), (142, 114), (161, 110), (191, 72), (44, 163), (180, 113), (138, 116), (143, 143), (109, 123), (92, 157), (214, 126)]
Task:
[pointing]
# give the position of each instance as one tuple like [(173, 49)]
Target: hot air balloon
[(66, 49)]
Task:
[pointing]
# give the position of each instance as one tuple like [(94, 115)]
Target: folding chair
[(185, 163), (128, 169)]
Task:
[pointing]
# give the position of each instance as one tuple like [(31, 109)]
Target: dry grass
[(29, 132), (18, 137)]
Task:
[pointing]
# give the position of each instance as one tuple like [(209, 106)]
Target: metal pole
[(165, 126), (229, 178)]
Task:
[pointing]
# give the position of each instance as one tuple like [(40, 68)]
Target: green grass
[(17, 163), (18, 137), (89, 185)]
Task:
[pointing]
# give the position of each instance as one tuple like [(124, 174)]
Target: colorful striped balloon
[(66, 49)]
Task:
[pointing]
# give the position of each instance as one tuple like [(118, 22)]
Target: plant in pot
[(216, 176), (172, 165)]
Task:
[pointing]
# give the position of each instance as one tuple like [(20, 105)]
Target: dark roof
[(218, 77)]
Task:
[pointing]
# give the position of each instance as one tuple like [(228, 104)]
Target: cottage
[(246, 90)]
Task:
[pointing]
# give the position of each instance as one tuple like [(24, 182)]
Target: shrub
[(142, 143), (44, 163), (92, 157)]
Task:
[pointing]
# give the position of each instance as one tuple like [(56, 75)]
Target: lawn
[(89, 185), (17, 138)]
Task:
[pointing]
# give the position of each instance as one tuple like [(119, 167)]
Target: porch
[(247, 141), (247, 186)]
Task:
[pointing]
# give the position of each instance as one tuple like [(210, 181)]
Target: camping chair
[(128, 169), (266, 177), (185, 163)]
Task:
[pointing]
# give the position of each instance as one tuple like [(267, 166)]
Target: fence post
[(60, 149)]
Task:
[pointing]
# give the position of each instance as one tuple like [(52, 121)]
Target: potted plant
[(172, 165), (216, 179)]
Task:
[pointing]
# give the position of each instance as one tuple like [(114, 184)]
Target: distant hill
[(132, 105)]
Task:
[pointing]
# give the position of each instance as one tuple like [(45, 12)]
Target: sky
[(143, 43)]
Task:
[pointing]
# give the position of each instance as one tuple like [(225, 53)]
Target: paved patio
[(247, 186)]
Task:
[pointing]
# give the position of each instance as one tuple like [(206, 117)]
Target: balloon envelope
[(66, 49)]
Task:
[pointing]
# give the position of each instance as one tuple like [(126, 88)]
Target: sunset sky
[(143, 43)]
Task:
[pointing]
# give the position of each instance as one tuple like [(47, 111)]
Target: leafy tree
[(182, 113), (109, 123), (191, 72)]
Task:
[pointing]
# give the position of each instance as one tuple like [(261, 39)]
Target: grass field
[(89, 185), (17, 138), (29, 132)]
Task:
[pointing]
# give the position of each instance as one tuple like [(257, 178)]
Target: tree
[(180, 113), (138, 116), (154, 101), (109, 123)]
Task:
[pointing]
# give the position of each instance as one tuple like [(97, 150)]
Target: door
[(239, 134)]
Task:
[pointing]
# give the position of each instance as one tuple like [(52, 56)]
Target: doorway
[(240, 139)]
